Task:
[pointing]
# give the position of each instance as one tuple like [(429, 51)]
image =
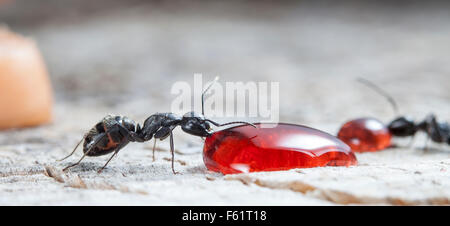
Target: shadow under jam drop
[(283, 146), (365, 134)]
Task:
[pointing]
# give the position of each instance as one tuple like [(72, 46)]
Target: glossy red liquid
[(365, 134), (247, 149)]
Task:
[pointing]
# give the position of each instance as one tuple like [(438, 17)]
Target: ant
[(402, 126), (113, 133)]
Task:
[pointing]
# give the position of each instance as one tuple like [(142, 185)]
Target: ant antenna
[(379, 91), (206, 90), (229, 123), (215, 123)]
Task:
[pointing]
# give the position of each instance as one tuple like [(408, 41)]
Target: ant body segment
[(113, 133)]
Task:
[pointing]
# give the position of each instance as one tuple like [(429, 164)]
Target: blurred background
[(125, 55)]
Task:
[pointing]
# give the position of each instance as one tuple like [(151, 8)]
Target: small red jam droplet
[(365, 134), (281, 147)]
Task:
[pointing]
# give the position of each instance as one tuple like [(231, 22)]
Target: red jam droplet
[(365, 134), (281, 147)]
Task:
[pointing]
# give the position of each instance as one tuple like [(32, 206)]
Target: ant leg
[(426, 144), (73, 149), (97, 139), (154, 145), (436, 133), (84, 155), (162, 134), (112, 156), (432, 130), (411, 141), (172, 151)]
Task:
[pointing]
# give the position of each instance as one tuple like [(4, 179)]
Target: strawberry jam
[(244, 149), (365, 134)]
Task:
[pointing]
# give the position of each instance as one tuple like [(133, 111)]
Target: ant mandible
[(402, 126), (113, 133)]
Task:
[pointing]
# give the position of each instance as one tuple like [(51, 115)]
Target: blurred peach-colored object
[(25, 90), (5, 1)]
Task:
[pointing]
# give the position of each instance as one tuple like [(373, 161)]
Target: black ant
[(113, 133), (402, 126)]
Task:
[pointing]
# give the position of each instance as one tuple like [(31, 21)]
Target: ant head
[(402, 127), (195, 124)]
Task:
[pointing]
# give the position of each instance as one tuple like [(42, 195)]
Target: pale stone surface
[(124, 61)]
